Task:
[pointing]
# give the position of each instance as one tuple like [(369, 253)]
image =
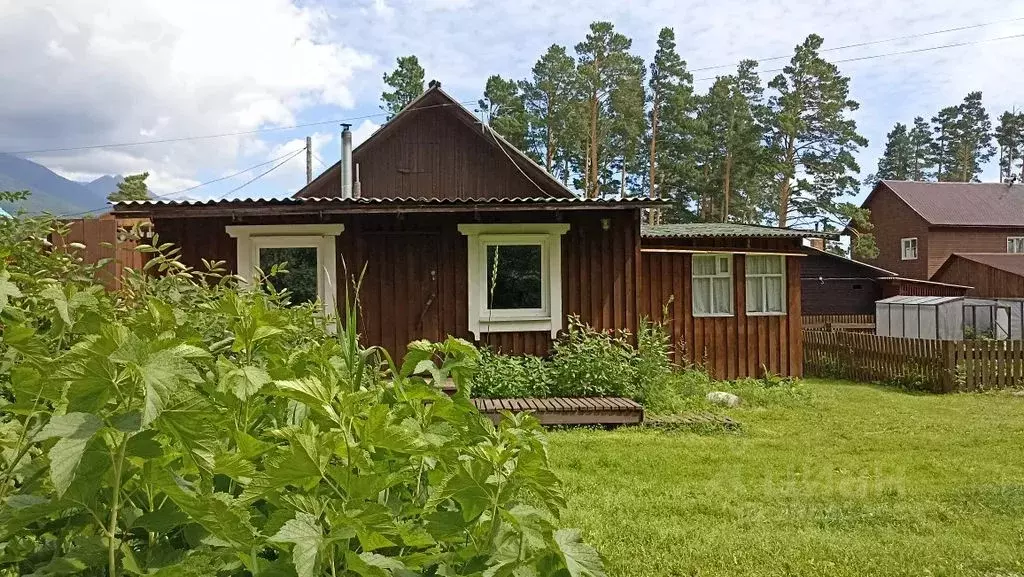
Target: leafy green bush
[(507, 376), (592, 363), (187, 427)]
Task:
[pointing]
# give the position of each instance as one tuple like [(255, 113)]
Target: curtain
[(773, 294), (723, 297), (755, 293), (702, 295), (703, 265)]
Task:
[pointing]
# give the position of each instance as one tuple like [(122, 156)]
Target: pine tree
[(603, 63), (972, 144), (812, 137), (897, 162), (670, 92), (626, 127), (1010, 137), (731, 163), (921, 142), (551, 98), (133, 187), (406, 83), (503, 110), (944, 130)]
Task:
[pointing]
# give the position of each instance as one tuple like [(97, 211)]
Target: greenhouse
[(949, 318)]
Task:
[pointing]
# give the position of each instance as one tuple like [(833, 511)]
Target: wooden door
[(398, 298)]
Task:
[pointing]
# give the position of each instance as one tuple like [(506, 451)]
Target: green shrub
[(592, 363), (507, 376), (187, 427)]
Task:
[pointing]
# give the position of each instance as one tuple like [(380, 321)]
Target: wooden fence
[(860, 323), (105, 238), (939, 366)]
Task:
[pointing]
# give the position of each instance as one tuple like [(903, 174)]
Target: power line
[(324, 164), (262, 174), (870, 42), (874, 56), (184, 190), (224, 134)]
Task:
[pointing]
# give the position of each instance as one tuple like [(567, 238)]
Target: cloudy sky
[(80, 73)]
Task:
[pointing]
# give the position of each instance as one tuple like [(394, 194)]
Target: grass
[(855, 480)]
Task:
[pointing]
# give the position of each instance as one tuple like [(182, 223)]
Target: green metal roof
[(725, 229)]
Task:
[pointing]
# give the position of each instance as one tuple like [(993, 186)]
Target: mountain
[(50, 191), (104, 185)]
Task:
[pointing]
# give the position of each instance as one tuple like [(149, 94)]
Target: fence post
[(948, 366)]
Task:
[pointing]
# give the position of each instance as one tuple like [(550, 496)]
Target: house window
[(712, 285), (306, 251), (1015, 244), (909, 248), (515, 277), (766, 284)]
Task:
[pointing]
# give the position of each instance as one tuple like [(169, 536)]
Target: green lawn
[(857, 480)]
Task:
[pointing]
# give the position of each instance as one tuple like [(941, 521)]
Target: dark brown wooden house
[(832, 284), (992, 275), (730, 294), (461, 234), (917, 225)]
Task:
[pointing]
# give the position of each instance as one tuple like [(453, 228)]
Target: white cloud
[(363, 131), (93, 71)]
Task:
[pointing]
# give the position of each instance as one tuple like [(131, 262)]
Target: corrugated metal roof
[(725, 229), (129, 205), (963, 203), (912, 300), (1010, 262)]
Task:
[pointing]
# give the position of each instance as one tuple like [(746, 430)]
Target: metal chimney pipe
[(357, 187), (346, 161)]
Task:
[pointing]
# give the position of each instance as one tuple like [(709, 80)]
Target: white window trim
[(1010, 240), (903, 248), (764, 288), (549, 316), (251, 238), (732, 286)]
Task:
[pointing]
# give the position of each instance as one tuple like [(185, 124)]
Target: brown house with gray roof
[(991, 275), (918, 225)]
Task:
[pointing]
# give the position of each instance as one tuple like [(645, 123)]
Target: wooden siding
[(988, 282), (894, 220), (102, 241), (944, 241), (436, 153), (416, 286), (830, 285), (728, 347)]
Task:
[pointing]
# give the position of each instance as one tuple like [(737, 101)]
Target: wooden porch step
[(568, 410)]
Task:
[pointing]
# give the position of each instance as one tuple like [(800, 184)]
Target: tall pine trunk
[(786, 184), (652, 216), (726, 185), (592, 171)]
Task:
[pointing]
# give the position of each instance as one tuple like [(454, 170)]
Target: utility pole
[(309, 160)]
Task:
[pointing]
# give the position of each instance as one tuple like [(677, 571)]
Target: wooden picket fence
[(860, 323), (939, 366), (105, 238)]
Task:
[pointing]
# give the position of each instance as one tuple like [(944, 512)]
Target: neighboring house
[(992, 275), (919, 224), (455, 232), (832, 284), (730, 294)]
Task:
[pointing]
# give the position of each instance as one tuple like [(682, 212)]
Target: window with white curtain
[(766, 284), (712, 285), (1015, 244)]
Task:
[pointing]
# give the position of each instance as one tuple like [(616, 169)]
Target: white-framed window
[(711, 284), (909, 248), (766, 284), (515, 277), (309, 251), (1015, 244)]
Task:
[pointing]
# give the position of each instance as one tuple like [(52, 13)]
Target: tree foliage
[(184, 427), (133, 187), (503, 109), (812, 138), (1009, 135), (670, 95), (405, 83)]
